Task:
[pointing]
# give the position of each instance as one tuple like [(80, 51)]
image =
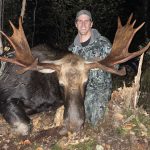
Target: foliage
[(86, 145), (138, 124)]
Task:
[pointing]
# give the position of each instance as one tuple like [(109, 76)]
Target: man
[(90, 45)]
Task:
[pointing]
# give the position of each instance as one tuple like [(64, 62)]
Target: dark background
[(52, 21)]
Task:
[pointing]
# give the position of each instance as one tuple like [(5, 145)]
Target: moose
[(33, 81)]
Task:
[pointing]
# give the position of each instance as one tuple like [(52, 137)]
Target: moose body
[(32, 92), (29, 93), (37, 87)]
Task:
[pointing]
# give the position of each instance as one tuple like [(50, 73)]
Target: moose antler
[(20, 45), (23, 55), (122, 40), (119, 52)]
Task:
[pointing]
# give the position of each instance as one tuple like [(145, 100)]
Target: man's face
[(83, 24)]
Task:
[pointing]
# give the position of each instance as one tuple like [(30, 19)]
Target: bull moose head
[(72, 70)]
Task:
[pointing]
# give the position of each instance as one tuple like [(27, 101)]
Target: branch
[(137, 82), (23, 9)]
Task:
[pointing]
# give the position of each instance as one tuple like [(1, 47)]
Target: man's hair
[(83, 12)]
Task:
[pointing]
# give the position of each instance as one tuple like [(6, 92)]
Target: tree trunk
[(1, 25), (23, 9), (34, 19)]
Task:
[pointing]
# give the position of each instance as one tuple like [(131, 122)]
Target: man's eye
[(79, 21), (87, 21)]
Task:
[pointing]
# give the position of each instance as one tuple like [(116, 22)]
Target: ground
[(123, 128)]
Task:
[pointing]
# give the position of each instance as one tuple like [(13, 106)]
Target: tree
[(1, 25), (23, 9)]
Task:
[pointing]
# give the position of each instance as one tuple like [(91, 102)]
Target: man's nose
[(83, 24)]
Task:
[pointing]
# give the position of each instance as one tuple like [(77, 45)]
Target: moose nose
[(72, 127), (76, 126)]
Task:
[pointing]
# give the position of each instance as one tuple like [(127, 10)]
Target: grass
[(87, 145)]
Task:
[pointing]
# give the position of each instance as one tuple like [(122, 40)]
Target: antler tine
[(13, 27), (119, 23), (133, 33), (130, 18), (14, 61), (133, 23), (139, 27), (7, 38)]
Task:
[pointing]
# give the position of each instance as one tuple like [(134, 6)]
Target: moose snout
[(74, 113), (72, 126), (76, 125)]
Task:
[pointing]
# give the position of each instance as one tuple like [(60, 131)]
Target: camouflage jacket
[(99, 86), (98, 47)]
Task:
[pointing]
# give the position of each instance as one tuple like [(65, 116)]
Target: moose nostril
[(76, 126), (63, 131)]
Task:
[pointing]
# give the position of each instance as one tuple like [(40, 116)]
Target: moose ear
[(47, 71)]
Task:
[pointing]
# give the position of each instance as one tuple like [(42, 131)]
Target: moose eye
[(61, 87)]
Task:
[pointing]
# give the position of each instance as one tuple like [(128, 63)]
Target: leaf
[(58, 120), (25, 142), (39, 148), (129, 126), (36, 122), (118, 116), (142, 126)]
